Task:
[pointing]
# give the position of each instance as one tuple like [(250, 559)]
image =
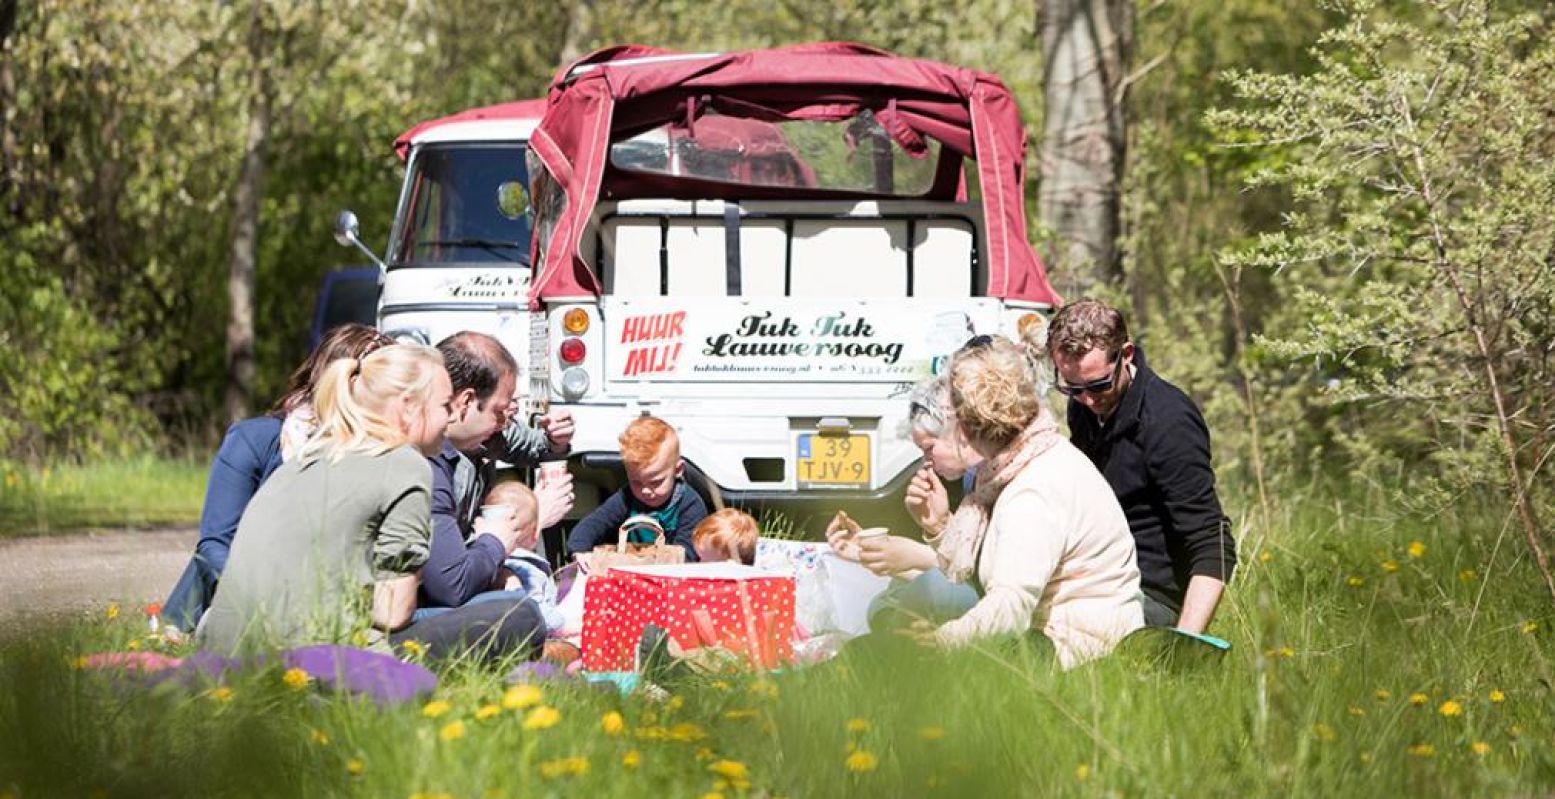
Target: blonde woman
[(1040, 536), (332, 542)]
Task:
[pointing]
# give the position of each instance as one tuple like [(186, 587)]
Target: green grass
[(127, 493), (1359, 669)]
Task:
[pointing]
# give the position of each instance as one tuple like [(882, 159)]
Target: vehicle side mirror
[(347, 230), (348, 234)]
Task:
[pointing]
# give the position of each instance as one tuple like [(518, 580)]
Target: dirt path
[(56, 576)]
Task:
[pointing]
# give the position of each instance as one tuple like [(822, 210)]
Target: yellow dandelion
[(1514, 731), (361, 639), (1390, 566), (931, 733), (861, 761), (1450, 709), (721, 685), (1416, 549), (1530, 627), (435, 708), (1468, 575), (296, 679), (220, 693), (1423, 750), (1383, 694), (612, 723), (452, 731), (675, 703), (1265, 556), (712, 795), (134, 645), (112, 611), (78, 662), (520, 697), (1365, 757), (858, 725), (632, 759), (564, 767), (1418, 699), (764, 688), (1355, 711), (1496, 697), (355, 766), (319, 737), (487, 711), (1480, 748), (1287, 652), (413, 647), (11, 480), (1082, 772), (543, 717), (703, 753), (1323, 732), (741, 713), (686, 732), (1355, 581), (732, 770)]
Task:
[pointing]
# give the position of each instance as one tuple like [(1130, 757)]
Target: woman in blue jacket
[(252, 449)]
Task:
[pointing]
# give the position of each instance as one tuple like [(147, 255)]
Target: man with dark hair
[(467, 552), (1150, 442)]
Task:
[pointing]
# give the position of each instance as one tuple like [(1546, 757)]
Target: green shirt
[(311, 544)]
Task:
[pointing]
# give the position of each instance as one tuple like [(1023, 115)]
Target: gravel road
[(53, 577)]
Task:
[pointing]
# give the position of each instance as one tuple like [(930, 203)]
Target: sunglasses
[(977, 342), (1101, 386)]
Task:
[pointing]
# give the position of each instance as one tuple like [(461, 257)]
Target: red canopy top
[(617, 93), (521, 109)]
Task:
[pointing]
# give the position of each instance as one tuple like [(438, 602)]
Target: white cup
[(497, 513), (550, 470)]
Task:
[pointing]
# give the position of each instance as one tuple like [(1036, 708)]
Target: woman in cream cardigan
[(1040, 536)]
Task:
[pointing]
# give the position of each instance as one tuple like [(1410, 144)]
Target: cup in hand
[(871, 532), (497, 514), (550, 470)]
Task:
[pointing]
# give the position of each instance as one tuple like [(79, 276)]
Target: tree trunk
[(245, 223), (1086, 49), (8, 146), (577, 32)]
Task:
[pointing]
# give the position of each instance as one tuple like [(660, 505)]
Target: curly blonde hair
[(993, 391)]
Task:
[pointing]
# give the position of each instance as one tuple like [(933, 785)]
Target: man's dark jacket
[(1154, 452)]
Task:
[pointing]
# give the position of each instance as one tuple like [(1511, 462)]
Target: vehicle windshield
[(854, 155), (465, 203)]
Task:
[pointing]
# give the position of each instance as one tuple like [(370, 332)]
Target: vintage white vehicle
[(768, 249), (458, 255)]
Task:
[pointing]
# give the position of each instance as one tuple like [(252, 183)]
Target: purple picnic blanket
[(358, 672)]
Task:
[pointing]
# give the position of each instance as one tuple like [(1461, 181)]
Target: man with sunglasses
[(1151, 443)]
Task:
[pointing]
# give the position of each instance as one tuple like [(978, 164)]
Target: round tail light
[(576, 321), (572, 351)]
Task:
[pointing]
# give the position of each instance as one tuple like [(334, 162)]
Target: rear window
[(853, 155)]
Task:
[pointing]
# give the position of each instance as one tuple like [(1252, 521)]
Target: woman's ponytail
[(354, 400)]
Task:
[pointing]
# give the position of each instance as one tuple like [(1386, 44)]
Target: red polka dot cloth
[(744, 610)]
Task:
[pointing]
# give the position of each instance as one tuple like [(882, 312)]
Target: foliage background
[(123, 132)]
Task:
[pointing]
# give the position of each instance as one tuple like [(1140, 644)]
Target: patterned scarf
[(959, 545)]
